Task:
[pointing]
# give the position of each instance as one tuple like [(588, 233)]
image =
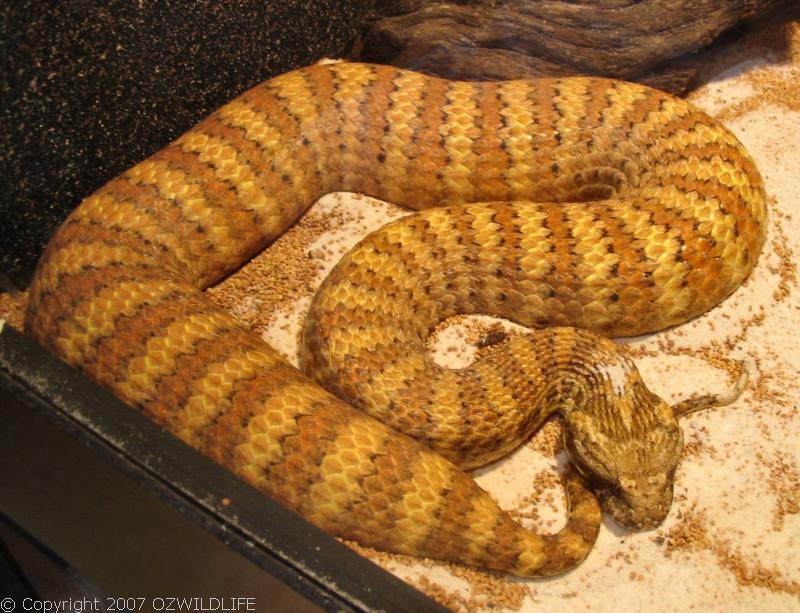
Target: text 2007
[(125, 604)]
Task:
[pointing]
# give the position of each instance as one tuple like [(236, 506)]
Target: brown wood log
[(651, 41)]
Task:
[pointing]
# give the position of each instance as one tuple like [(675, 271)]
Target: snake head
[(627, 443), (630, 470)]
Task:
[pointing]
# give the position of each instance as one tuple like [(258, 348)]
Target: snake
[(581, 207)]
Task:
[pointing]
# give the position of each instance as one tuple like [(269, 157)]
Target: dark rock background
[(90, 87), (659, 43)]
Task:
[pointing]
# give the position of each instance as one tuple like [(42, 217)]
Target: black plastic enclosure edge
[(271, 536)]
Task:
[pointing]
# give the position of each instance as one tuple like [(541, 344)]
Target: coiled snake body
[(634, 212)]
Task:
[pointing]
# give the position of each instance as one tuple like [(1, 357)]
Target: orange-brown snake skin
[(608, 207)]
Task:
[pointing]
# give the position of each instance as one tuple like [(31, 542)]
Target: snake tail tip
[(695, 404)]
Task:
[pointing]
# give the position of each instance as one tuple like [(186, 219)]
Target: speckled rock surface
[(89, 87)]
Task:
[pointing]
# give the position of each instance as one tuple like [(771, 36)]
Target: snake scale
[(599, 207)]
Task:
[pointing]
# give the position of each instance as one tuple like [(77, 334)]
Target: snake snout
[(639, 504)]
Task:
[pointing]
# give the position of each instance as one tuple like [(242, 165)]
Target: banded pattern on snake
[(634, 211)]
